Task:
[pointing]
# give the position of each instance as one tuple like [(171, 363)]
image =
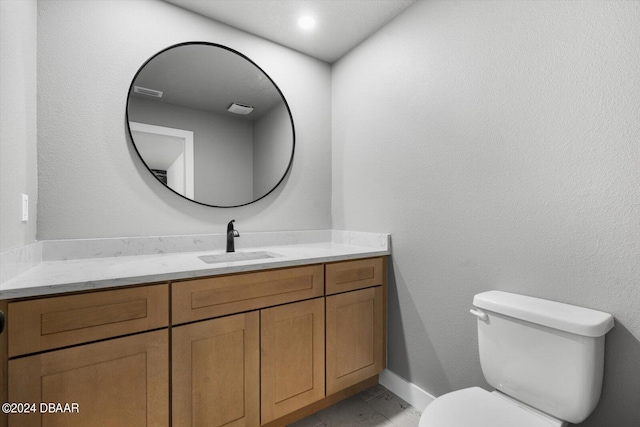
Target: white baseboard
[(410, 393)]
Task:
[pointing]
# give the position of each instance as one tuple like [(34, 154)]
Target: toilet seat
[(476, 407)]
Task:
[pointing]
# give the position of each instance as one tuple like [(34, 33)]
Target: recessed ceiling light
[(307, 22)]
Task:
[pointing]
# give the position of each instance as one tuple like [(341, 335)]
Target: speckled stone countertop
[(77, 265)]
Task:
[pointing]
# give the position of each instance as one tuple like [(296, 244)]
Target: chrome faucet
[(231, 233)]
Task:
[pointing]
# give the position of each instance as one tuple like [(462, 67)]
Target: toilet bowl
[(476, 407), (544, 358)]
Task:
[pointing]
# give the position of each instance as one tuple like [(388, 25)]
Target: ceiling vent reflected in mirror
[(238, 108), (146, 91)]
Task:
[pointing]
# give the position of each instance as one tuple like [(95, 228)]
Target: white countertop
[(58, 276)]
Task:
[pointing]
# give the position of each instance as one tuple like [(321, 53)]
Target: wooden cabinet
[(216, 372), (115, 383), (240, 350), (292, 347), (248, 369), (355, 347), (72, 349)]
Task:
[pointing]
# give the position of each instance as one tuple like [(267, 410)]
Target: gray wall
[(222, 146), (498, 143), (18, 170), (91, 183), (272, 138)]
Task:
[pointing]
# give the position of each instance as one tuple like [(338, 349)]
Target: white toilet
[(544, 358)]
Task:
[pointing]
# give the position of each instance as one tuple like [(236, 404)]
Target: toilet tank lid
[(557, 315)]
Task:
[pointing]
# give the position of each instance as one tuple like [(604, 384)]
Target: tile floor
[(374, 407)]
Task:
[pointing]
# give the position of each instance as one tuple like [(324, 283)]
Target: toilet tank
[(546, 354)]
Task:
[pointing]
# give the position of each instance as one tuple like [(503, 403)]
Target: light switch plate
[(25, 208)]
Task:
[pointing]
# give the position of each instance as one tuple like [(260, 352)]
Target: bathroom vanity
[(240, 343)]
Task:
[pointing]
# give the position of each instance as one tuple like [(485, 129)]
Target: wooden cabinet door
[(216, 372), (119, 382), (292, 348), (355, 337)]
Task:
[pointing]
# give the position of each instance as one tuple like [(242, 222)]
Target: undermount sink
[(237, 256)]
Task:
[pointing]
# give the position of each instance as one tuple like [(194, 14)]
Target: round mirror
[(210, 124)]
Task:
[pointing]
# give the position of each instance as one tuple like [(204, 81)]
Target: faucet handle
[(231, 233), (231, 230)]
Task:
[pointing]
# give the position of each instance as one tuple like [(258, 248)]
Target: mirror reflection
[(210, 124)]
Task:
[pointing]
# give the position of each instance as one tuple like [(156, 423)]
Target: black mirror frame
[(293, 131)]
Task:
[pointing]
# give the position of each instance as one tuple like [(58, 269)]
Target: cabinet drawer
[(352, 275), (218, 296), (49, 323)]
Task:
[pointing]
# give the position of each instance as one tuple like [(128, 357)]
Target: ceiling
[(213, 79), (341, 24)]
